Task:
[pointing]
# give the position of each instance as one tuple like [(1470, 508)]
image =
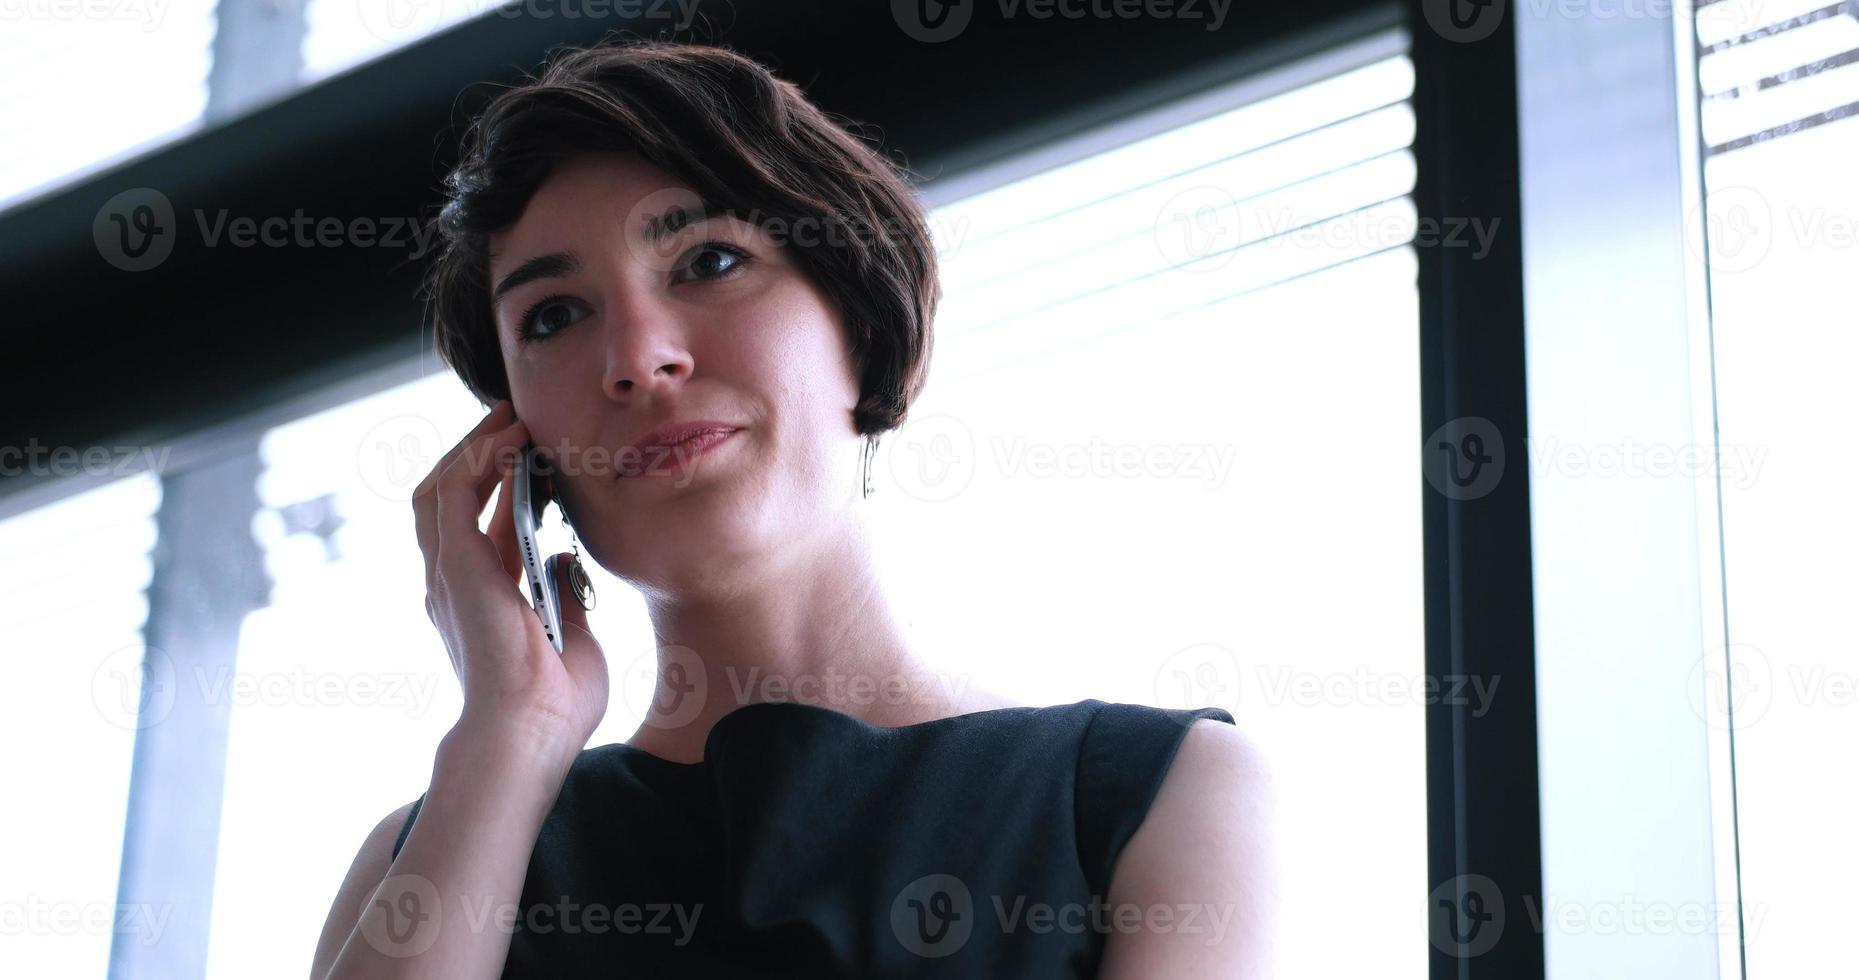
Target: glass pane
[(1782, 215), (1165, 456), (72, 607), (88, 85), (345, 33)]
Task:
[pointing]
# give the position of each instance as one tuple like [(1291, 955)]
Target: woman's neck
[(815, 627)]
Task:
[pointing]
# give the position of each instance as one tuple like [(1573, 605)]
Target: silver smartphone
[(534, 492)]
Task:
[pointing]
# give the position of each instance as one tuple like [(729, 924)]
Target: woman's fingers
[(426, 497), (503, 528), (466, 485)]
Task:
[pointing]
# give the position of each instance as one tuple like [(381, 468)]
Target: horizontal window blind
[(1772, 69), (1250, 198)]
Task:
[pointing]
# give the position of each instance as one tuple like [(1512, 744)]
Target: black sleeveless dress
[(809, 843)]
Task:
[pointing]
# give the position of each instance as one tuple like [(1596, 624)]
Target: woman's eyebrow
[(550, 266), (657, 229), (677, 218)]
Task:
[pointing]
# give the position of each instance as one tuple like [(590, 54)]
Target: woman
[(656, 240)]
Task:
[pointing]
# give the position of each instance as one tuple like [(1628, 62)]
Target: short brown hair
[(747, 142)]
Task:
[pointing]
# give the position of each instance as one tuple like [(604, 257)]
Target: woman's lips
[(659, 459)]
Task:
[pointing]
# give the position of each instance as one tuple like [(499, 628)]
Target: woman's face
[(615, 321)]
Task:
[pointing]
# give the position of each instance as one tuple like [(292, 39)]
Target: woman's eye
[(711, 260), (714, 260), (547, 315)]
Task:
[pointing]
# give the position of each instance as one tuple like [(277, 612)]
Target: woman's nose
[(645, 346)]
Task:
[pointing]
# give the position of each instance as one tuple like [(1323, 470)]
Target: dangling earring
[(871, 447), (578, 581)]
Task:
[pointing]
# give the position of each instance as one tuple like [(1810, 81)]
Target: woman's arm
[(1194, 892), (445, 906), (365, 874)]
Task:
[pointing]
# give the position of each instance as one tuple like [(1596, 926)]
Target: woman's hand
[(516, 686)]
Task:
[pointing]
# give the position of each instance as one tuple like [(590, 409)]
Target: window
[(92, 85), (1779, 86), (345, 33), (89, 85), (1165, 456), (72, 574), (340, 666)]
